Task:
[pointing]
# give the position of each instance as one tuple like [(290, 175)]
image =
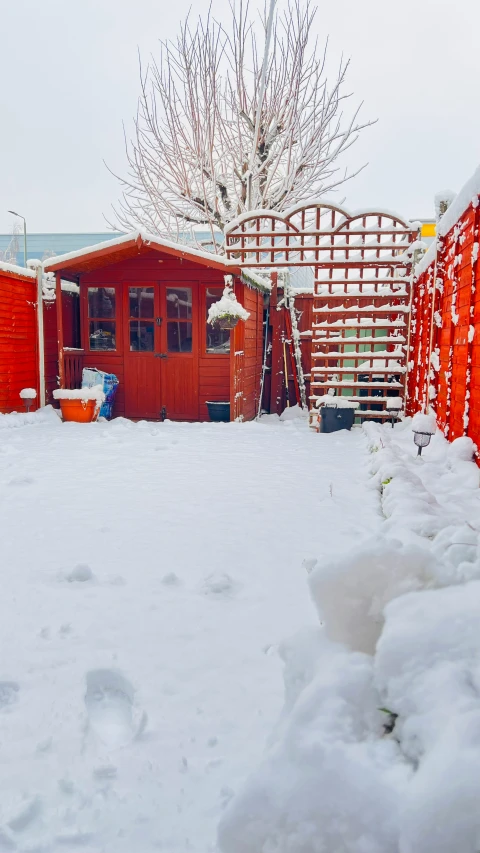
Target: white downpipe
[(40, 336)]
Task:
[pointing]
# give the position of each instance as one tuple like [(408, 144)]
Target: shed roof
[(12, 271), (130, 245)]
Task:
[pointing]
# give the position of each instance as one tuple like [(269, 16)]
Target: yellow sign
[(428, 229)]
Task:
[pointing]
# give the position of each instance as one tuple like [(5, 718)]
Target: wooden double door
[(160, 329)]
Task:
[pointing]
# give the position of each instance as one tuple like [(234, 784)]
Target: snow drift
[(378, 746)]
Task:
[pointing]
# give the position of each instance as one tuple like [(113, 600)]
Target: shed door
[(142, 347), (179, 343)]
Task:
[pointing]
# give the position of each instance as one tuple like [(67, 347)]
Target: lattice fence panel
[(362, 293)]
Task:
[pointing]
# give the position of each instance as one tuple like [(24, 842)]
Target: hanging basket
[(227, 322)]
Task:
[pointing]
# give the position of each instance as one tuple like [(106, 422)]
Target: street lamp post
[(24, 234)]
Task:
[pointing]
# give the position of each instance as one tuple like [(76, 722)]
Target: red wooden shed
[(137, 307), (18, 335)]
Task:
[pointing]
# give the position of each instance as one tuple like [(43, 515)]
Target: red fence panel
[(444, 365), (18, 339)]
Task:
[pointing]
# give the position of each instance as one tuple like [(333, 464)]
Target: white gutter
[(40, 336)]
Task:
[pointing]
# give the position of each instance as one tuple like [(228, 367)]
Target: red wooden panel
[(142, 388), (18, 340)]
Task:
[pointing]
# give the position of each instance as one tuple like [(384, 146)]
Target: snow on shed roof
[(260, 281), (130, 244), (15, 271)]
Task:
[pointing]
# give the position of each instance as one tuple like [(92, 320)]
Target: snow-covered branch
[(191, 159)]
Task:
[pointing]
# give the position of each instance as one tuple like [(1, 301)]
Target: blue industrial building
[(42, 246)]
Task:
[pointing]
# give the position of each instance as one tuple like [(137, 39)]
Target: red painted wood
[(180, 377), (58, 297), (18, 339), (142, 370), (214, 368), (457, 340), (277, 396), (186, 381)]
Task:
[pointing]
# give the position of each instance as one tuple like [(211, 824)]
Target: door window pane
[(218, 340), (179, 302), (142, 336), (179, 336), (141, 302), (101, 302), (102, 334)]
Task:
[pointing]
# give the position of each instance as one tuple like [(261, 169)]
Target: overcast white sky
[(69, 77)]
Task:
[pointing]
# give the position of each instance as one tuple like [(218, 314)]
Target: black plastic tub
[(334, 419), (219, 412)]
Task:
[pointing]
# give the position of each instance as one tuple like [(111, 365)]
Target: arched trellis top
[(319, 234)]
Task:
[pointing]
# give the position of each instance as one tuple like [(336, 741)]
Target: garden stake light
[(423, 427), (421, 439)]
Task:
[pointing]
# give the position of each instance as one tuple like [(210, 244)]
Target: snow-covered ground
[(378, 746), (150, 573)]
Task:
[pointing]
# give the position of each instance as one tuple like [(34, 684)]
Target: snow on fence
[(444, 358), (361, 264)]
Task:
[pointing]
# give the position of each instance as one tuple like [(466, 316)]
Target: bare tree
[(214, 137)]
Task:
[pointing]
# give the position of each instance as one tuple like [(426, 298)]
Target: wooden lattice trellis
[(361, 293)]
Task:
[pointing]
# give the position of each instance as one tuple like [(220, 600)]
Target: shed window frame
[(99, 319)]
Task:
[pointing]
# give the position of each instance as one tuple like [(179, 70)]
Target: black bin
[(333, 419), (219, 412)]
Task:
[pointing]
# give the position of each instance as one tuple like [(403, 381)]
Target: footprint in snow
[(21, 480), (8, 694), (28, 812), (219, 585), (171, 579), (112, 714)]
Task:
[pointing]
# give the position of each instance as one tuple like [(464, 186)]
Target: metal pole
[(25, 240)]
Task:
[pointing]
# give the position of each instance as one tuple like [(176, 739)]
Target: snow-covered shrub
[(463, 448), (401, 633), (427, 668), (331, 782), (350, 593)]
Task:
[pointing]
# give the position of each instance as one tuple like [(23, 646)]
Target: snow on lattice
[(352, 256)]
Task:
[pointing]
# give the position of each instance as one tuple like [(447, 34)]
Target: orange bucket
[(80, 411)]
